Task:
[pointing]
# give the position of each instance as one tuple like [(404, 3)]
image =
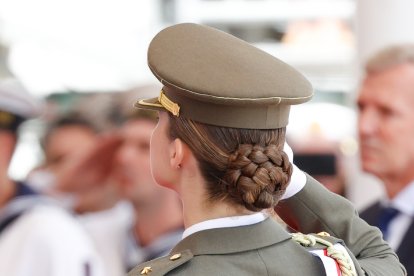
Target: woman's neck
[(197, 207)]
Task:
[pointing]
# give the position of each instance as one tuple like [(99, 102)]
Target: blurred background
[(79, 55)]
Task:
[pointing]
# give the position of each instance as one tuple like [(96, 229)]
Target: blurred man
[(69, 139), (386, 133), (68, 134), (77, 167), (120, 160), (158, 218), (37, 237)]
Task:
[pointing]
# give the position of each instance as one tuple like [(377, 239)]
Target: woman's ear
[(176, 153)]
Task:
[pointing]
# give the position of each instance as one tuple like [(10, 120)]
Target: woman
[(219, 144)]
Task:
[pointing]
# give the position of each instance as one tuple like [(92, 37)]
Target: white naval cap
[(15, 99)]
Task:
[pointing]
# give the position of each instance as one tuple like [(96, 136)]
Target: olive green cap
[(215, 78)]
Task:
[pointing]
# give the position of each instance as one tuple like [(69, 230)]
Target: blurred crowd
[(92, 205), (96, 166)]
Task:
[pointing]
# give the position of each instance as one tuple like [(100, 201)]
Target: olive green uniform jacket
[(266, 248)]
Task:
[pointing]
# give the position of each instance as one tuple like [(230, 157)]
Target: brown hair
[(242, 166)]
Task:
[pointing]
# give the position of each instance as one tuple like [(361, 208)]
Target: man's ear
[(176, 153)]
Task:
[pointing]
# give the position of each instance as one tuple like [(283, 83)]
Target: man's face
[(386, 122), (66, 142), (132, 166)]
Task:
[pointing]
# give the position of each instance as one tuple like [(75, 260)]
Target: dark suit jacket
[(406, 249)]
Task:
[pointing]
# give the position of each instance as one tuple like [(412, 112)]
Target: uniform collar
[(233, 239), (224, 222)]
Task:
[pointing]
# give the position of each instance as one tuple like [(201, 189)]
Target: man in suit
[(386, 133)]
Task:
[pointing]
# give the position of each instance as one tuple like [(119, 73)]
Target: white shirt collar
[(225, 222), (404, 200)]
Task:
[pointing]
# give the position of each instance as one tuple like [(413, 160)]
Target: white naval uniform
[(46, 241)]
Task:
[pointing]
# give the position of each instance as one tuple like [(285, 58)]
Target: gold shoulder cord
[(344, 261)]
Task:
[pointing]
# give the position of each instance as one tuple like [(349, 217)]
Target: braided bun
[(257, 176), (246, 167)]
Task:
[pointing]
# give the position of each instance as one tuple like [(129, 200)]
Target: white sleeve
[(298, 178), (58, 247)]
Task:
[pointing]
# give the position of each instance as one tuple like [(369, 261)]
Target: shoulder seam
[(264, 263)]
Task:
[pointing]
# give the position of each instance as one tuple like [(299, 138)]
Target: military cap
[(212, 77), (16, 105)]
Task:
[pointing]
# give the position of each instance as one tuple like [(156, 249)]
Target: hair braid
[(257, 176), (246, 167)]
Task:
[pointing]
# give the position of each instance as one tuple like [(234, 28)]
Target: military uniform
[(216, 79), (266, 248)]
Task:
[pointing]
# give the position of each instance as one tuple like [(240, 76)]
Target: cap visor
[(150, 104)]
